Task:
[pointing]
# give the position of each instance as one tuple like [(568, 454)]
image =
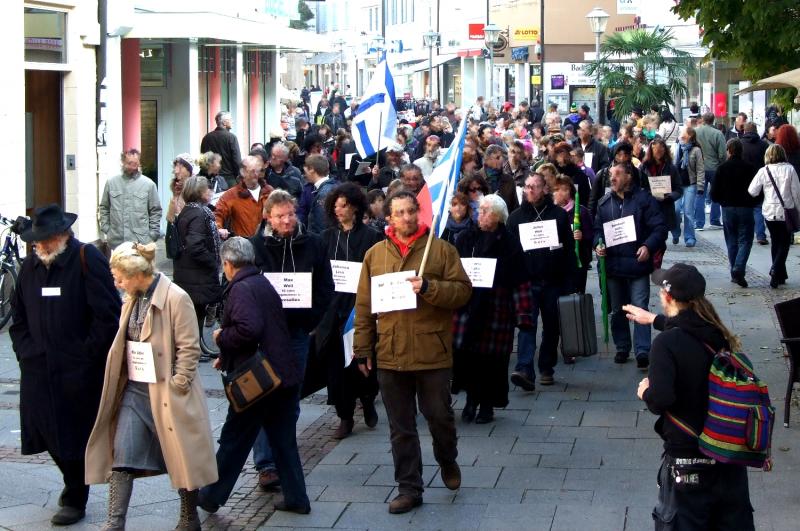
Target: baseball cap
[(682, 281)]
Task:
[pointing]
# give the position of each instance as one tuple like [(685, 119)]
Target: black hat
[(48, 221), (585, 107), (682, 281)]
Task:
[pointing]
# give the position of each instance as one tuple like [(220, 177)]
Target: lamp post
[(340, 44), (491, 32), (597, 22), (431, 40)]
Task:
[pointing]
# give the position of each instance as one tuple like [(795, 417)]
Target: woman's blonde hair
[(702, 307), (130, 258)]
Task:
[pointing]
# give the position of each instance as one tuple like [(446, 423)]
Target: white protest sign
[(348, 160), (660, 185), (141, 365), (619, 231), (480, 271), (346, 275), (392, 292), (587, 159), (538, 235), (293, 288)]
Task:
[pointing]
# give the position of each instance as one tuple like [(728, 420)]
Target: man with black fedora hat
[(65, 316)]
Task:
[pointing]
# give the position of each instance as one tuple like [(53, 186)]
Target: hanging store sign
[(475, 32), (525, 34)]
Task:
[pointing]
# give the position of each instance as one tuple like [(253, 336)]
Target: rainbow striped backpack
[(738, 428)]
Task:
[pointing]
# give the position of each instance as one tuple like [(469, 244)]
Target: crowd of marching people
[(302, 240)]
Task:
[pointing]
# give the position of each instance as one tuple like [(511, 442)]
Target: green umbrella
[(601, 264), (576, 225)]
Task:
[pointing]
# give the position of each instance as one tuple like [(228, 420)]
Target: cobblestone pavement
[(578, 455)]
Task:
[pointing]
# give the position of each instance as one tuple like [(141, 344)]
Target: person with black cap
[(715, 495), (65, 316)]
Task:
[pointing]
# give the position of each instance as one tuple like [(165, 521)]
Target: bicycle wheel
[(8, 283), (207, 344)]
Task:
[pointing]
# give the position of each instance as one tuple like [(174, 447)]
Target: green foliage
[(652, 55), (305, 15), (761, 34)]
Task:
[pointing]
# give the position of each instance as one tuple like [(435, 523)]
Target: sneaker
[(522, 381), (763, 242), (268, 479), (621, 357), (546, 379), (715, 225), (404, 503), (642, 363), (699, 229)]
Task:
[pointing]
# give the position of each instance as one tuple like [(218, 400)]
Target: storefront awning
[(325, 58), (790, 79), (425, 65), (264, 33)]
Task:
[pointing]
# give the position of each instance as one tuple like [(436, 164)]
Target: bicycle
[(211, 322), (10, 262)]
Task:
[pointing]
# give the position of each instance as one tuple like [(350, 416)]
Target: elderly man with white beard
[(428, 161), (65, 316)]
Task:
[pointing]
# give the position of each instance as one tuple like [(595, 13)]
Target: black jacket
[(225, 144), (547, 266), (196, 269), (61, 343), (290, 179), (650, 231), (253, 318), (678, 374), (753, 149), (667, 204), (302, 253), (731, 181), (602, 184), (600, 154), (579, 179)]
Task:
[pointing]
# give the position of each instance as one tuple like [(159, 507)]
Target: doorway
[(149, 121), (44, 156)]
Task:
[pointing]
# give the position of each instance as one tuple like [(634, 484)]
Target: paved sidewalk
[(579, 455)]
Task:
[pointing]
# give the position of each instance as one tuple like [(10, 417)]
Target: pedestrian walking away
[(695, 492)]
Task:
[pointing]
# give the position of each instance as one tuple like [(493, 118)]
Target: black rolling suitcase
[(576, 320)]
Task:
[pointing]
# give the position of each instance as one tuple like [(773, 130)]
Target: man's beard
[(48, 258)]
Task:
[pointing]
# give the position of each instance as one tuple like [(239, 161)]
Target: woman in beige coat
[(153, 416)]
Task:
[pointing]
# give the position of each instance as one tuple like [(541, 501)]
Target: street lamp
[(491, 33), (597, 22), (340, 44), (431, 40)]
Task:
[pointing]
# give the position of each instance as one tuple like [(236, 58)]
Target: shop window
[(45, 36), (153, 65)]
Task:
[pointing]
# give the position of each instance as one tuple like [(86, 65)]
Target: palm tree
[(650, 53)]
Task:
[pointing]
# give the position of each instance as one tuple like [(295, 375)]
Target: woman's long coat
[(177, 399)]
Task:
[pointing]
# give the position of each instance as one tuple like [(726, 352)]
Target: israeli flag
[(443, 180), (375, 124), (348, 335)]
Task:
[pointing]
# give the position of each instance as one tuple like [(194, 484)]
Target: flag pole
[(428, 245), (380, 134)]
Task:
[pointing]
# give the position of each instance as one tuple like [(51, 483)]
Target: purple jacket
[(253, 318)]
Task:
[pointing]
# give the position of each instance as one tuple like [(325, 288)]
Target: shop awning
[(265, 33), (325, 58), (790, 79), (425, 65)]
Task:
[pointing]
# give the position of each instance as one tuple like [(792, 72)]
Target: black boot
[(370, 414), (468, 415), (485, 415), (189, 520)]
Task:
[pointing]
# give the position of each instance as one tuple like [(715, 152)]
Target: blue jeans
[(700, 206), (684, 209), (761, 225), (545, 301), (274, 414), (262, 451), (738, 228), (622, 291)]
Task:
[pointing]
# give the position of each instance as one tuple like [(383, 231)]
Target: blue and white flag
[(442, 182), (375, 124), (348, 335)]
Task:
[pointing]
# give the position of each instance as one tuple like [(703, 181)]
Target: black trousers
[(781, 242), (721, 502), (76, 491), (401, 390)]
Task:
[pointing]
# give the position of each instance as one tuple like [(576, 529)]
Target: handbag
[(172, 241), (790, 215), (250, 382)]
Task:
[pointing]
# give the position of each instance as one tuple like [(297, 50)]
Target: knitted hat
[(573, 107)]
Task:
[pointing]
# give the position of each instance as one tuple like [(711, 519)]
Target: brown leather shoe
[(345, 428), (404, 503), (451, 475), (268, 479)]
